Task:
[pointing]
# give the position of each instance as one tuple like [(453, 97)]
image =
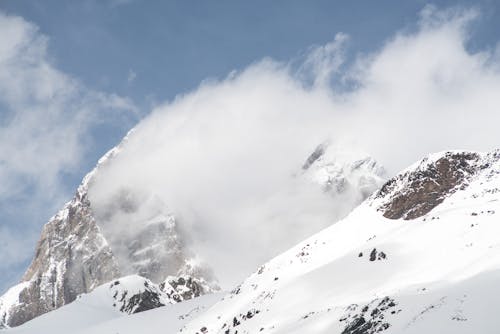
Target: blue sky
[(147, 52)]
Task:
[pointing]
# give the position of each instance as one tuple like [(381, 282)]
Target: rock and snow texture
[(422, 187), (422, 255), (134, 294)]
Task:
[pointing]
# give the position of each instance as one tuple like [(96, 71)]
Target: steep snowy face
[(437, 273)]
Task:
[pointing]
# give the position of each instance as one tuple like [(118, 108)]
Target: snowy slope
[(432, 270), (106, 309)]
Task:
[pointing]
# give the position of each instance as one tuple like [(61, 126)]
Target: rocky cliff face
[(72, 257)]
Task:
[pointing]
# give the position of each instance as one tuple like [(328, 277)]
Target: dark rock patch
[(375, 255), (425, 188), (146, 300), (318, 152), (188, 287), (229, 327), (370, 319)]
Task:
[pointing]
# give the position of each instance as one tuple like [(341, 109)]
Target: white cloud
[(425, 92), (221, 157), (45, 118), (45, 112)]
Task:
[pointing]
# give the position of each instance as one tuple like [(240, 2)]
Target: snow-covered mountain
[(86, 245), (422, 255), (76, 254)]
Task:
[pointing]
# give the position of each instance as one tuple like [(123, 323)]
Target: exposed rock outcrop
[(425, 185), (134, 294)]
